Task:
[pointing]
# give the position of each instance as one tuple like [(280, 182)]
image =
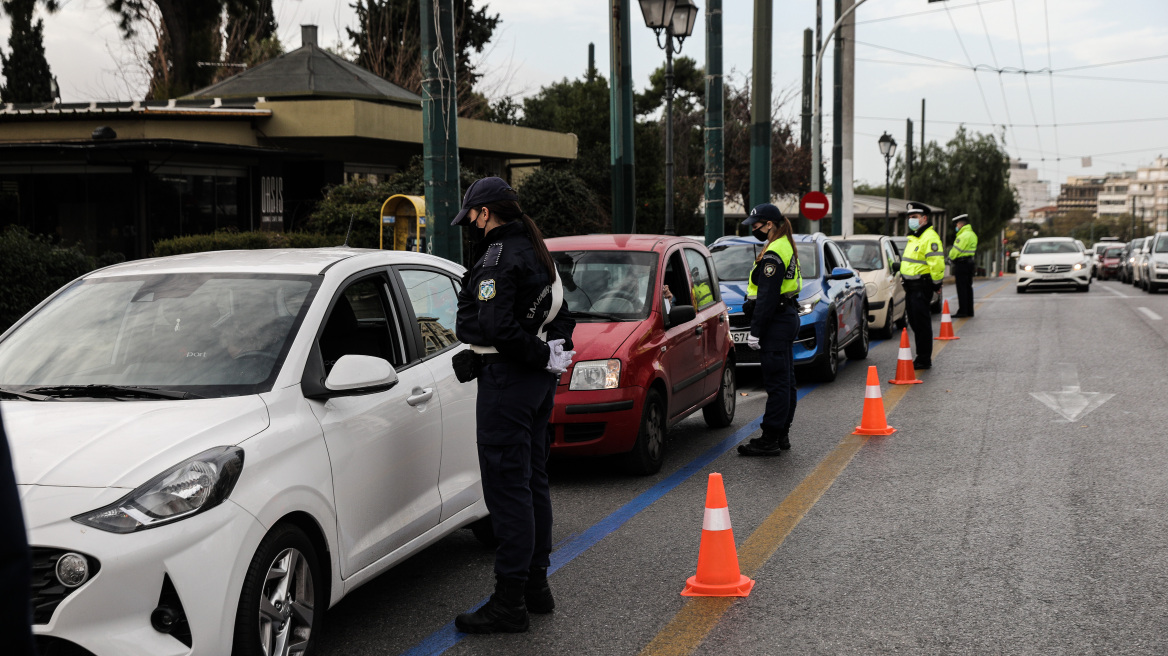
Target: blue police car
[(833, 308)]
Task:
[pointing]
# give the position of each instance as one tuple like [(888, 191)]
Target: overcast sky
[(541, 41)]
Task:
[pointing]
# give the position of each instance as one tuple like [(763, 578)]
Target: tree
[(26, 71), (971, 175), (388, 43), (250, 28), (562, 204)]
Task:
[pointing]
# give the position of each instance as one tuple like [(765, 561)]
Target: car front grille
[(1052, 268), (47, 591), (583, 432)]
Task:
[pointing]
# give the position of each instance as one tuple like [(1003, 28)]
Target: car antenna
[(352, 217)]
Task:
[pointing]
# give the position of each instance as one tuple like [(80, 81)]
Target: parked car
[(640, 369), (1091, 261), (212, 449), (876, 259), (1155, 270), (1140, 264), (1097, 250), (901, 243), (1111, 262), (1129, 261), (1051, 262), (833, 307)]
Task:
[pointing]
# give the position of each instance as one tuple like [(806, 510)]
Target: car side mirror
[(358, 374), (840, 273), (896, 267), (680, 314)]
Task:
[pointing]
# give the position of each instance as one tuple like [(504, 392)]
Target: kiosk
[(404, 218)]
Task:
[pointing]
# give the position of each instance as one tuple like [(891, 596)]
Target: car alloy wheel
[(649, 450), (858, 349), (277, 613), (719, 413)]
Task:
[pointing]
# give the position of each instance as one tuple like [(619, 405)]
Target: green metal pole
[(760, 106), (440, 129), (833, 220), (800, 223), (715, 170), (624, 208)]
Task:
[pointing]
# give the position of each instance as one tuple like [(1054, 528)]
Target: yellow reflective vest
[(702, 295), (923, 258), (792, 278), (965, 244)]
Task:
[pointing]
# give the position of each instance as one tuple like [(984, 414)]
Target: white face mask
[(913, 224)]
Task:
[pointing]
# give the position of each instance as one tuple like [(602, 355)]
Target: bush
[(32, 268), (562, 205), (233, 241)]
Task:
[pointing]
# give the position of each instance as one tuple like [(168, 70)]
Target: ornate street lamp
[(888, 150), (675, 20)]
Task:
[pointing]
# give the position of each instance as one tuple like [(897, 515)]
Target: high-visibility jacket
[(785, 252), (923, 258), (964, 244), (702, 294)]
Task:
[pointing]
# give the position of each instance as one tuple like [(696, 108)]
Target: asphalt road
[(988, 523)]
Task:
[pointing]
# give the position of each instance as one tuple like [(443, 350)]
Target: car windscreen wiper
[(110, 392), (23, 395), (596, 315)]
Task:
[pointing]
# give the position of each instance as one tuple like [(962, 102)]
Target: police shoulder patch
[(769, 269), (934, 246), (487, 289)]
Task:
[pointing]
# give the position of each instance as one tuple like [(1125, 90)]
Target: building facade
[(1031, 192), (1081, 193)]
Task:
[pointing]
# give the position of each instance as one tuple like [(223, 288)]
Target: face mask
[(759, 234), (914, 224), (475, 233)]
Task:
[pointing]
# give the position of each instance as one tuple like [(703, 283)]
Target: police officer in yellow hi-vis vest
[(922, 266), (961, 255), (773, 309)]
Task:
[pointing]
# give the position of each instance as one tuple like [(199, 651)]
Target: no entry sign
[(813, 205)]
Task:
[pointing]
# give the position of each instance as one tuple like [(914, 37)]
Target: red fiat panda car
[(640, 368)]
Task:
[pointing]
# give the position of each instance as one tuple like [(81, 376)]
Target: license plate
[(739, 336)]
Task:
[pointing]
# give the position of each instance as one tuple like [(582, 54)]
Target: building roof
[(308, 72)]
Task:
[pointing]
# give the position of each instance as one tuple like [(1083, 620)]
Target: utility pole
[(624, 208), (800, 223), (440, 129), (816, 127), (908, 167), (760, 106), (837, 130), (715, 175), (922, 130), (846, 224)]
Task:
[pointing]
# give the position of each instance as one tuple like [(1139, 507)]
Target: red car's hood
[(598, 340)]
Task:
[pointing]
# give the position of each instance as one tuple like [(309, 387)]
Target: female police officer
[(774, 323), (511, 312)]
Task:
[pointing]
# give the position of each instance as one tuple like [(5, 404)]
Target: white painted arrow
[(1071, 403)]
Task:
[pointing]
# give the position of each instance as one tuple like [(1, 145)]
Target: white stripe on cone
[(945, 317), (872, 392), (905, 354), (716, 519)]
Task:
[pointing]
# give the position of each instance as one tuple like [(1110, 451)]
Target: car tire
[(886, 330), (1152, 288), (285, 564), (858, 349), (826, 367), (1020, 289), (719, 413), (484, 532), (1084, 288), (649, 450)]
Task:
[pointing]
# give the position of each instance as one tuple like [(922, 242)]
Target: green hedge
[(32, 267), (234, 241)]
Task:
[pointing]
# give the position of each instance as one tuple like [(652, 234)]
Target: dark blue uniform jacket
[(775, 319), (506, 296)]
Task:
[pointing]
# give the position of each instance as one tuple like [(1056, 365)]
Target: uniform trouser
[(918, 297), (513, 408), (963, 272), (778, 372)]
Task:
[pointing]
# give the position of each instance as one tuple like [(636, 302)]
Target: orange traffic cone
[(946, 323), (718, 574), (905, 373), (873, 421)]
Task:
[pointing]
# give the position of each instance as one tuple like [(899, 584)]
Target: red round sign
[(813, 205)]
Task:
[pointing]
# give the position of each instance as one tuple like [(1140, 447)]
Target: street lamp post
[(887, 149), (675, 20)]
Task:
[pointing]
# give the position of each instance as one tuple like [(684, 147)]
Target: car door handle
[(699, 329), (420, 396)]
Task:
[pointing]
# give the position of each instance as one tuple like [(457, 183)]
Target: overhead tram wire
[(1050, 79), (1026, 78), (1120, 121), (1001, 84), (1018, 71), (971, 66), (986, 69), (928, 11)]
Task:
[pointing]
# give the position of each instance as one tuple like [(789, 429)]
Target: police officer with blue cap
[(511, 311), (773, 309)]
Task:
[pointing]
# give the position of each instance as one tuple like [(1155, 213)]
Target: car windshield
[(734, 261), (611, 285), (1049, 247), (205, 334), (1162, 245), (1113, 252), (864, 255)]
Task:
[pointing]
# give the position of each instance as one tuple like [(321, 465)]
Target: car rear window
[(1113, 252)]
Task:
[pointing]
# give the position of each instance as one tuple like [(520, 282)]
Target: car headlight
[(807, 305), (1077, 267), (596, 375), (186, 489), (1028, 267), (871, 289)]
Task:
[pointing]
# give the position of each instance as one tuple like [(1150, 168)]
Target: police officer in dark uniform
[(15, 563), (774, 323), (511, 311)]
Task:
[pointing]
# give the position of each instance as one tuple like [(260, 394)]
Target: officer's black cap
[(762, 214), (483, 191), (917, 208), (961, 217)]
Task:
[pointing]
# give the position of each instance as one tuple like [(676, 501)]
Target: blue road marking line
[(446, 637)]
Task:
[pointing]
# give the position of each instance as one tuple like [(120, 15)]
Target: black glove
[(748, 308)]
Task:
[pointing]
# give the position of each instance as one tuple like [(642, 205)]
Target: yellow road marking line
[(700, 615)]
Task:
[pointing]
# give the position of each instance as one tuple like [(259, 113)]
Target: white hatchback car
[(877, 260), (1051, 262), (213, 449)]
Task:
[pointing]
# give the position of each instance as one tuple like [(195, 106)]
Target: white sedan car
[(213, 449), (1053, 262), (876, 259)]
